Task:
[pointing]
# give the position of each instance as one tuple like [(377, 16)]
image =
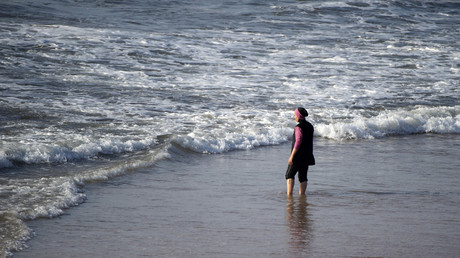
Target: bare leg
[(303, 188), (290, 185)]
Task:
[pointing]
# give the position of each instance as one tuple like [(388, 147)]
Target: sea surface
[(390, 197), (93, 90)]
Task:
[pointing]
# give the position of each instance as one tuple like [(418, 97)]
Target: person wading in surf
[(301, 152)]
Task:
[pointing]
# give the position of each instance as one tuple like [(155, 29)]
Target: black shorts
[(293, 169)]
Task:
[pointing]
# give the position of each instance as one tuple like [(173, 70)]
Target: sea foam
[(222, 141), (397, 122), (76, 148)]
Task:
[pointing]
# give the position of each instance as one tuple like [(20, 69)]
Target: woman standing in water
[(301, 152)]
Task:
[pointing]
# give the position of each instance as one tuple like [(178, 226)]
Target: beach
[(391, 197), (163, 128)]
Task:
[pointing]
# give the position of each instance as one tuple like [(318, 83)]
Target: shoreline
[(389, 197)]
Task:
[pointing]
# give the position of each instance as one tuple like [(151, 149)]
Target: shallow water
[(360, 202)]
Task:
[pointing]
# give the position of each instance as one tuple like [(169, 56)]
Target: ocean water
[(91, 90), (358, 204)]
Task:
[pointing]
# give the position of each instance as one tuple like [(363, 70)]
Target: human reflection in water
[(299, 224)]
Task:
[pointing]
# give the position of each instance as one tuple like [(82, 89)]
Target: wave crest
[(62, 152), (401, 122), (221, 141)]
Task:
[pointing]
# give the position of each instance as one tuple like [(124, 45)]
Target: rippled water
[(90, 90)]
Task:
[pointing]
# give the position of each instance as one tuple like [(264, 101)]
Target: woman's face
[(296, 118)]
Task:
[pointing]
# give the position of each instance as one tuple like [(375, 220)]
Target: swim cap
[(301, 113)]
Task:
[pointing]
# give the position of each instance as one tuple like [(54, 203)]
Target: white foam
[(222, 141), (75, 147), (13, 233), (26, 199), (227, 130), (397, 122), (43, 197), (305, 73)]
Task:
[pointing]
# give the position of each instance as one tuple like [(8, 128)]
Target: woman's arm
[(298, 142)]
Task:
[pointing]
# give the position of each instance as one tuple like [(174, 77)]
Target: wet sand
[(392, 197)]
